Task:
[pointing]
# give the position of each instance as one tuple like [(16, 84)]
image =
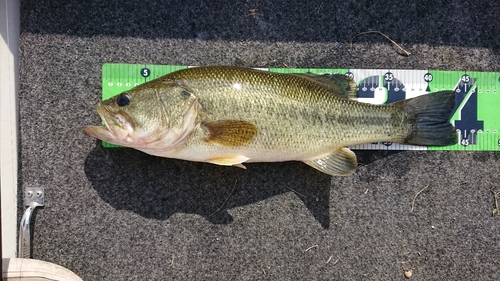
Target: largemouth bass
[(230, 115)]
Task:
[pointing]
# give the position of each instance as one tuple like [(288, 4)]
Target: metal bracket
[(33, 197)]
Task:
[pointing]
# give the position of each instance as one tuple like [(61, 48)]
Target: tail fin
[(430, 118)]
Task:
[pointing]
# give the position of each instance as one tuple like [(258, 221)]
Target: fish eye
[(123, 99)]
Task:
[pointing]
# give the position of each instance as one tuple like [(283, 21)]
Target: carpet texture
[(118, 214)]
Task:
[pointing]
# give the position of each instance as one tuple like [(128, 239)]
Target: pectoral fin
[(233, 160), (230, 132), (342, 162)]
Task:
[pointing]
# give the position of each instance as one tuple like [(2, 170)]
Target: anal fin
[(341, 162)]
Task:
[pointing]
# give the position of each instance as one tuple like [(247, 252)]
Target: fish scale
[(320, 116)]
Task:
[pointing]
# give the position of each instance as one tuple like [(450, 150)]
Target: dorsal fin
[(341, 85)]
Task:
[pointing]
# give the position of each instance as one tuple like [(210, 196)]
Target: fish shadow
[(366, 157), (156, 187)]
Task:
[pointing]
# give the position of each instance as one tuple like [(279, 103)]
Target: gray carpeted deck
[(122, 215)]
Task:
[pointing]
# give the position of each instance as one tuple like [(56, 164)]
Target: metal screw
[(29, 193), (38, 193)]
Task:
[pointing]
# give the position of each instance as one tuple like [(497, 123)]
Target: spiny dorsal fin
[(341, 162), (340, 85), (230, 132)]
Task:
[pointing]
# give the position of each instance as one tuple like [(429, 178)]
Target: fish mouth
[(117, 128)]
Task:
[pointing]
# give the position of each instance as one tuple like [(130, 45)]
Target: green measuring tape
[(476, 118)]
